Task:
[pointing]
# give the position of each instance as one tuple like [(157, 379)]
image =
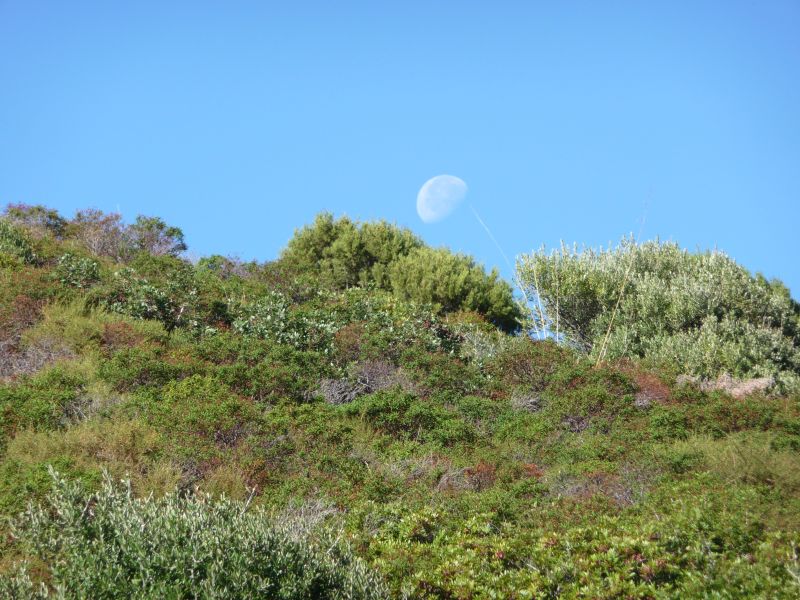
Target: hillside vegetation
[(701, 313), (367, 417)]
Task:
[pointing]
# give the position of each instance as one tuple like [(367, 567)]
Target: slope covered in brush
[(379, 433)]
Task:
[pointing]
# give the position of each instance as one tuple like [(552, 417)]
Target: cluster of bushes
[(690, 545), (110, 544), (14, 246), (451, 458), (102, 234), (343, 253), (700, 312)]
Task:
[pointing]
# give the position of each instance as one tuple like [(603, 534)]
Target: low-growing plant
[(39, 401), (202, 412), (132, 368), (14, 244), (744, 458), (403, 415), (111, 545), (77, 271)]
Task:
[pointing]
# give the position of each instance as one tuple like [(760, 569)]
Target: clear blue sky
[(239, 121)]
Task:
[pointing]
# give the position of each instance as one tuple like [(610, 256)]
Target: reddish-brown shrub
[(529, 363), (119, 335), (650, 387), (481, 476), (347, 342), (532, 470)]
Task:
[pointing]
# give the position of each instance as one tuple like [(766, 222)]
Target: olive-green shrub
[(344, 253), (454, 282), (700, 311)]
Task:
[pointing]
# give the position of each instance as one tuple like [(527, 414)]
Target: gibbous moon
[(439, 196)]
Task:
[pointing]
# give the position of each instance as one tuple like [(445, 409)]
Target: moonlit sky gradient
[(239, 121)]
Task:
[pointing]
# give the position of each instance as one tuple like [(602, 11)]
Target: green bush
[(701, 312), (171, 301), (132, 368), (343, 253), (14, 244), (202, 411), (698, 546), (40, 401), (273, 373), (112, 545), (527, 363), (269, 318), (453, 282), (669, 424), (580, 389), (390, 325), (441, 372), (37, 219), (77, 271), (405, 416)]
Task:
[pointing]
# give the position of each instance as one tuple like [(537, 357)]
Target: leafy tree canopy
[(153, 235), (343, 253), (454, 282)]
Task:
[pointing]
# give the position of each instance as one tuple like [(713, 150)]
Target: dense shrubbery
[(701, 312), (112, 545), (342, 254), (77, 271), (454, 282), (39, 220), (694, 548), (14, 245), (170, 301), (347, 383)]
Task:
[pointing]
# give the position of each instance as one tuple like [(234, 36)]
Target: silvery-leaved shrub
[(700, 311), (113, 545)]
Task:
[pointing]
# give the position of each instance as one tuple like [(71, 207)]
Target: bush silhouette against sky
[(567, 121)]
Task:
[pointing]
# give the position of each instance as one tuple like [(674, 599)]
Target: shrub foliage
[(112, 545), (368, 424), (343, 253), (700, 311)]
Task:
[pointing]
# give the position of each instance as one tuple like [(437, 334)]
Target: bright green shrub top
[(454, 282), (342, 253)]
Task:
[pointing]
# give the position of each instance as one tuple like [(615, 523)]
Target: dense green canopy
[(343, 253)]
